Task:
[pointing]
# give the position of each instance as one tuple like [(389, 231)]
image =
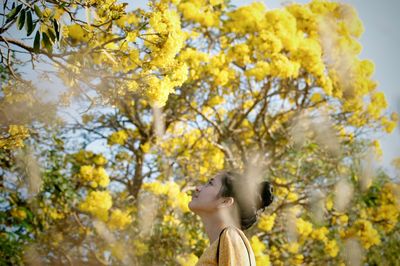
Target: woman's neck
[(214, 225)]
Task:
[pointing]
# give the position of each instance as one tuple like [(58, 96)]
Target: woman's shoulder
[(232, 231), (233, 234), (235, 248)]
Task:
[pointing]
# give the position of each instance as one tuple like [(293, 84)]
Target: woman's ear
[(227, 202)]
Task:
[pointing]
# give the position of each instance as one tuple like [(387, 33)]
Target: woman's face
[(205, 197)]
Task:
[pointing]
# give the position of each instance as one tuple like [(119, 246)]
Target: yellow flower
[(387, 214), (119, 219), (193, 57), (266, 222), (320, 234), (95, 176), (170, 219), (316, 97), (282, 67), (303, 227), (297, 259), (145, 147), (329, 203), (97, 203), (18, 213), (17, 134), (389, 125), (246, 19), (216, 2), (76, 32), (281, 191), (365, 231), (194, 11), (222, 77), (332, 248), (54, 214), (101, 177), (183, 202), (257, 245), (260, 71), (187, 260), (99, 160), (275, 252), (377, 148), (86, 172), (341, 219), (118, 137), (292, 196), (140, 248), (216, 100), (292, 247)]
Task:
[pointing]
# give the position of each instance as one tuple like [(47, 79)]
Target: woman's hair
[(232, 186)]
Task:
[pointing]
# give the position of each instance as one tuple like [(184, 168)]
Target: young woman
[(227, 205)]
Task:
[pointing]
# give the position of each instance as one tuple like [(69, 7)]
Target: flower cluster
[(119, 219), (266, 222), (175, 198), (97, 203), (364, 229), (95, 176), (118, 137), (15, 137), (259, 247)]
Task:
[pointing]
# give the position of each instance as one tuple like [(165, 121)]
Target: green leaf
[(47, 42), (36, 42), (29, 23), (37, 11), (56, 28), (13, 13), (51, 34), (21, 20)]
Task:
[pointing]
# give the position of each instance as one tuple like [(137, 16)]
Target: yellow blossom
[(140, 248), (118, 137), (304, 228), (19, 213), (292, 196), (282, 67), (266, 222), (320, 234), (187, 260), (331, 248), (365, 231), (329, 203), (292, 247), (97, 203), (99, 160), (259, 247), (119, 219), (260, 71)]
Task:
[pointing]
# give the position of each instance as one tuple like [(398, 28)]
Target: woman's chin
[(191, 205)]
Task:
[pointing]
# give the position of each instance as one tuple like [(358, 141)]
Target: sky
[(380, 40)]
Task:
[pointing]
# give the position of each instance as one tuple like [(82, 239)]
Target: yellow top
[(232, 250)]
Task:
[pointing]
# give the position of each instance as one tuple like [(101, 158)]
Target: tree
[(280, 94)]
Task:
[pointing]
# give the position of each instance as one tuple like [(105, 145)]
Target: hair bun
[(266, 193)]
